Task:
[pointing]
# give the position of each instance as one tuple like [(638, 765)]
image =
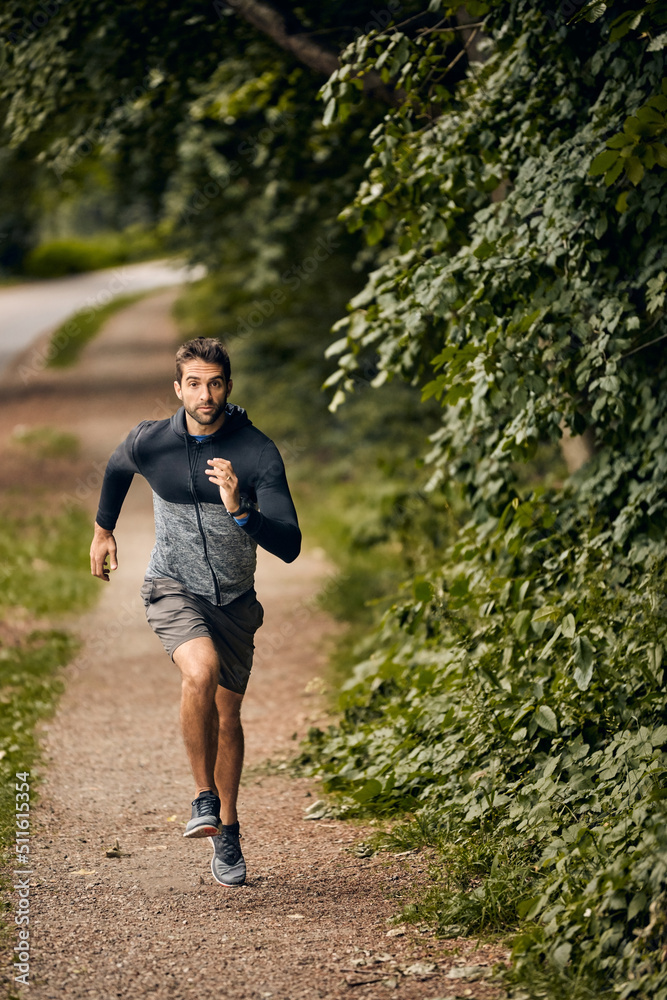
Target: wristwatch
[(243, 508)]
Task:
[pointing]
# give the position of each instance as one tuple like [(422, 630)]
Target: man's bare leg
[(213, 737), (229, 747), (197, 660), (211, 724)]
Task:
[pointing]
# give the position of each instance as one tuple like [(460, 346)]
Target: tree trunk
[(576, 450)]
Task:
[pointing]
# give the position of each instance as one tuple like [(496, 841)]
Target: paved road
[(29, 310)]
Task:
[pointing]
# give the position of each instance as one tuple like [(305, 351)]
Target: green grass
[(46, 442), (478, 886), (72, 336), (45, 572), (44, 562), (29, 689)]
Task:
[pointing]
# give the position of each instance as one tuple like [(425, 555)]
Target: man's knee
[(229, 707), (198, 663), (199, 680)]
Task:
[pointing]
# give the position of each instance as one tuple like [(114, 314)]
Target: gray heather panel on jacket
[(178, 552)]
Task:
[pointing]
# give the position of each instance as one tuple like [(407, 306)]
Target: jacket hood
[(236, 418)]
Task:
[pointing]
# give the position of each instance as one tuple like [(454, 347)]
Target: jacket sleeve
[(118, 475), (274, 526)]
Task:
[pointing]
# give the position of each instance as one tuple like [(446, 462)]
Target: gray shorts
[(176, 615)]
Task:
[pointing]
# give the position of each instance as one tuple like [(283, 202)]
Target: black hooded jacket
[(197, 542)]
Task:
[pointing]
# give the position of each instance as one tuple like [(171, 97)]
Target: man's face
[(203, 392)]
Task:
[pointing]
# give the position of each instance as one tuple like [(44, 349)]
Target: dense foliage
[(518, 688)]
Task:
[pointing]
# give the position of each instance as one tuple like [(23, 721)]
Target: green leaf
[(583, 651), (583, 677), (546, 718), (583, 657), (660, 153), (551, 643), (484, 250), (369, 791), (603, 161), (622, 202), (521, 623), (568, 626), (632, 126), (461, 390), (422, 590), (529, 908), (374, 232), (561, 954), (618, 141), (329, 112), (433, 388), (615, 172), (650, 116), (657, 43), (547, 613), (634, 168), (637, 905)]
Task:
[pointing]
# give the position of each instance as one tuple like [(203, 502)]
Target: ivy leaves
[(639, 147), (519, 244)]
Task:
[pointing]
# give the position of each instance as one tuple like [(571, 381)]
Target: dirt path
[(312, 920)]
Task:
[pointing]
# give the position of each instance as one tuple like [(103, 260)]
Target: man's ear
[(230, 383), (177, 390)]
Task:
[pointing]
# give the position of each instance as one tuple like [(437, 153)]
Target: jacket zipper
[(193, 491)]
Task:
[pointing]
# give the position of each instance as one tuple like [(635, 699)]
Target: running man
[(219, 491)]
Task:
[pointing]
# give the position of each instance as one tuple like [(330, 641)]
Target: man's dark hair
[(203, 349)]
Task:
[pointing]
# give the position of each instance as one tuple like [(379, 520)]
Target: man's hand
[(223, 475), (103, 545)]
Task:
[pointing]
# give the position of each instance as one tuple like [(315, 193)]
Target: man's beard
[(207, 418)]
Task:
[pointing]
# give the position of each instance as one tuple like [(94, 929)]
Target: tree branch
[(270, 22)]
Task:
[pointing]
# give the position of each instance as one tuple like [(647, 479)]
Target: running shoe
[(205, 820), (228, 864)]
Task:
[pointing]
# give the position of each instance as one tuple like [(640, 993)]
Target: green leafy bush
[(57, 258), (516, 692)]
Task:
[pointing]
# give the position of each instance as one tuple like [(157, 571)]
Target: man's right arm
[(118, 476)]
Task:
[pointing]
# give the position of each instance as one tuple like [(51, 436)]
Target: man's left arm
[(274, 526)]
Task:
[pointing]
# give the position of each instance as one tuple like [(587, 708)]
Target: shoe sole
[(227, 885), (205, 830)]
